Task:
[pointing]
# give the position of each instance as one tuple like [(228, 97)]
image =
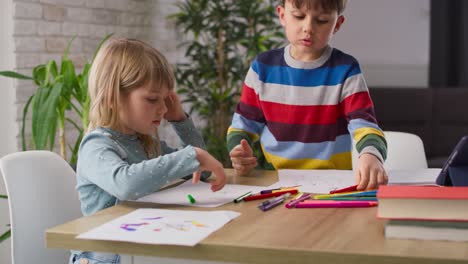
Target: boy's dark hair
[(327, 5)]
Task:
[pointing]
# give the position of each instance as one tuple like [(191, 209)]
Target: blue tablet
[(455, 170)]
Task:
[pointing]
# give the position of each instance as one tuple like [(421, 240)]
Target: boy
[(306, 102)]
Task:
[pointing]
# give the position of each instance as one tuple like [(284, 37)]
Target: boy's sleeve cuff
[(372, 150)]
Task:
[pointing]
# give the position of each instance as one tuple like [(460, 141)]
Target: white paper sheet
[(315, 181), (202, 193), (159, 226), (323, 181)]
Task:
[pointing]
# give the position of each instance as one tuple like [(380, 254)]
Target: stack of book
[(424, 212)]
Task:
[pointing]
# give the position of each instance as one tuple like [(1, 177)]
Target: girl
[(121, 158)]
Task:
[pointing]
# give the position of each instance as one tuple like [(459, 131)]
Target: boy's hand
[(242, 158), (209, 163), (174, 113), (370, 172)]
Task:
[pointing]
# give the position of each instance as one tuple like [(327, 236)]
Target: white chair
[(404, 151), (41, 193)]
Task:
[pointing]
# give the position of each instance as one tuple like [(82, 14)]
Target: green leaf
[(16, 75), (75, 108), (100, 44), (5, 236), (3, 196), (70, 81), (67, 50), (39, 74), (51, 72), (74, 150), (23, 122), (82, 89), (45, 116)]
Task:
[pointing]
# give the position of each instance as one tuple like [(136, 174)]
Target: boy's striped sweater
[(303, 113)]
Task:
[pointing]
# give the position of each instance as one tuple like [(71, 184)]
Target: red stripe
[(357, 101), (249, 96), (307, 115), (299, 114)]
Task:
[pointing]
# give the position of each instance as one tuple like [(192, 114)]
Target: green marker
[(191, 199)]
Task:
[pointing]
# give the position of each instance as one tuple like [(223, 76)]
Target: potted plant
[(59, 90), (227, 35)]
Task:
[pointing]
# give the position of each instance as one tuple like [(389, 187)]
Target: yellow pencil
[(284, 189)]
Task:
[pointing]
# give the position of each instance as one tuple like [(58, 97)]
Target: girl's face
[(142, 109), (308, 31)]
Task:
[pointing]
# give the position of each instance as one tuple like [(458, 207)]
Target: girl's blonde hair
[(121, 66)]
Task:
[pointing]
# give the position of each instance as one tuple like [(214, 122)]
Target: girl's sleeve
[(188, 134), (103, 162)]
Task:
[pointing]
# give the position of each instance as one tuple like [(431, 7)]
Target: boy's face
[(308, 30)]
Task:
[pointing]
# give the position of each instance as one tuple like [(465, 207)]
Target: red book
[(423, 202)]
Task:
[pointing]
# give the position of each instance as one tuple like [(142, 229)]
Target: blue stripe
[(360, 123), (299, 150), (304, 77), (240, 122), (272, 57)]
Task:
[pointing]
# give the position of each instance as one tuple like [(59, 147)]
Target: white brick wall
[(27, 10), (43, 28)]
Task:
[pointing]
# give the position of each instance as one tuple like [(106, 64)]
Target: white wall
[(390, 39), (8, 127), (7, 113)]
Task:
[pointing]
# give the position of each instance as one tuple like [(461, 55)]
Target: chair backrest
[(41, 193), (404, 151)]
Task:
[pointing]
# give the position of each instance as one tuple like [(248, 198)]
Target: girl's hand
[(370, 172), (242, 158), (174, 113), (209, 163)]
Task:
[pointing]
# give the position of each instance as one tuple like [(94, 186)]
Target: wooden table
[(344, 235)]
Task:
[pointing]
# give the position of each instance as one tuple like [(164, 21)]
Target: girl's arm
[(188, 134), (182, 124), (102, 163), (184, 128)]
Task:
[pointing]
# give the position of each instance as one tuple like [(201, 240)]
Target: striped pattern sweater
[(304, 113)]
